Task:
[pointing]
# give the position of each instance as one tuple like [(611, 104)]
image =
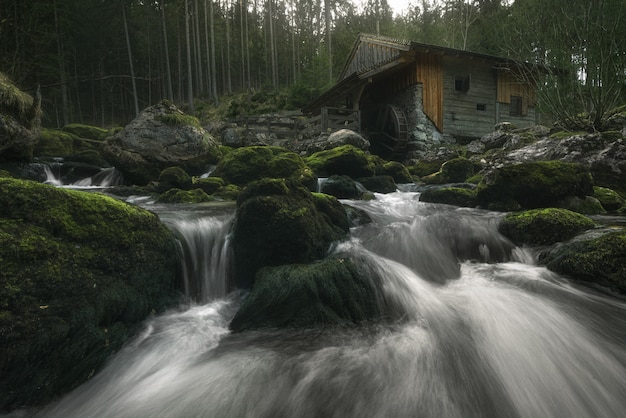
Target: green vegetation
[(456, 196), (178, 119), (174, 177), (599, 261), (14, 101), (456, 170), (533, 185), (248, 164), (544, 226), (344, 160), (55, 143), (79, 272), (280, 222), (86, 131), (610, 199)]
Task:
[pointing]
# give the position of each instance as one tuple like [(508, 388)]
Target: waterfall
[(206, 251), (475, 328)]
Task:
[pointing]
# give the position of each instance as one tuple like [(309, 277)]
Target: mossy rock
[(210, 185), (379, 184), (533, 185), (609, 199), (86, 131), (345, 160), (248, 164), (228, 192), (399, 172), (543, 226), (597, 260), (178, 119), (588, 205), (456, 196), (55, 143), (424, 168), (342, 187), (184, 196), (281, 228), (456, 170), (89, 156), (174, 177), (327, 293), (80, 272)]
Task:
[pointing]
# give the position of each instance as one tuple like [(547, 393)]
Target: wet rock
[(80, 272), (456, 196), (161, 136), (342, 187), (345, 160)]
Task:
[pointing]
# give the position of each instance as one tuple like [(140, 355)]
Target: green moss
[(599, 261), (282, 228), (174, 177), (86, 131), (398, 171), (424, 168), (248, 164), (533, 185), (79, 272), (344, 160), (544, 226), (178, 119), (379, 184), (228, 192), (327, 293), (451, 196), (210, 185), (55, 143), (456, 170), (14, 101), (475, 179), (184, 196), (610, 199)]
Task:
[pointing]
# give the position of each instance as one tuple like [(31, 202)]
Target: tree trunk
[(200, 87), (130, 61), (272, 46), (189, 65), (170, 90), (62, 71), (213, 63)]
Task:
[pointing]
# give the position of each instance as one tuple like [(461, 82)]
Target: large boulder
[(344, 160), (336, 139), (452, 195), (161, 136), (597, 260), (20, 119), (245, 165), (533, 185), (80, 272), (326, 293), (280, 222), (543, 226)]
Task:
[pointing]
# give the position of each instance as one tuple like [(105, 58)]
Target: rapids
[(483, 331)]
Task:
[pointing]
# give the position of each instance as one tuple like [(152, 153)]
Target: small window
[(461, 83), (516, 108), (481, 106)]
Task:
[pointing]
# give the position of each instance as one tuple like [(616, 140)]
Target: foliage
[(13, 100)]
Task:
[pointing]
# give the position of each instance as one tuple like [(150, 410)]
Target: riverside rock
[(80, 272), (161, 136)]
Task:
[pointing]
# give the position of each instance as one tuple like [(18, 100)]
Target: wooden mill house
[(401, 91)]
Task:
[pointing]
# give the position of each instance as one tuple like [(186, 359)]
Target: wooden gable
[(372, 53)]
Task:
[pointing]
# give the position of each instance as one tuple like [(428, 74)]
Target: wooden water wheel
[(391, 131)]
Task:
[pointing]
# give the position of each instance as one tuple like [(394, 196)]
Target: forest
[(102, 61)]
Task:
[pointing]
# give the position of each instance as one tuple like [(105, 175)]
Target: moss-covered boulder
[(456, 170), (345, 160), (457, 196), (533, 185), (342, 187), (184, 196), (280, 222), (88, 156), (209, 185), (326, 293), (55, 143), (80, 271), (248, 164), (20, 119), (543, 226), (86, 131), (379, 184), (161, 136), (595, 260), (609, 199), (399, 172), (174, 177)]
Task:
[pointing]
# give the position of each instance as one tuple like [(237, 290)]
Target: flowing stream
[(483, 331)]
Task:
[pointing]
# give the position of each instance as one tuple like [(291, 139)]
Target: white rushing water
[(482, 331)]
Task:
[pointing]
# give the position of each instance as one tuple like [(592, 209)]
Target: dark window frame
[(462, 83), (516, 108)]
